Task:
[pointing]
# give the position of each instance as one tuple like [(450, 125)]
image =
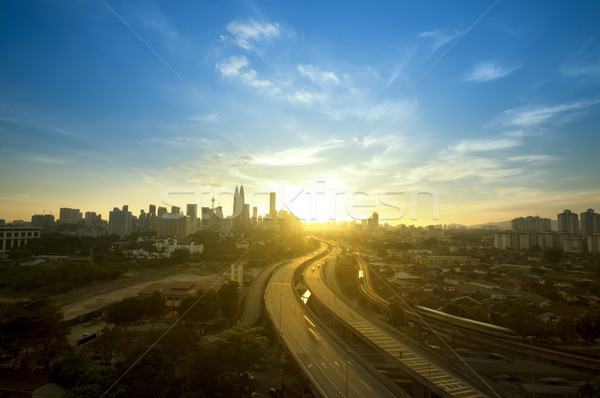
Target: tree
[(564, 328), (154, 306), (95, 382), (587, 325), (108, 343), (204, 309), (124, 312), (153, 376), (34, 326), (553, 256), (229, 298), (522, 318), (68, 370), (243, 347), (180, 256)]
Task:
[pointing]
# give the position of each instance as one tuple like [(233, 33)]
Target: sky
[(427, 112)]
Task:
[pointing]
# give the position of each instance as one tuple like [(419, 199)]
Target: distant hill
[(504, 225)]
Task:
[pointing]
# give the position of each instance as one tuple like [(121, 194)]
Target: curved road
[(332, 370), (420, 368), (254, 298)]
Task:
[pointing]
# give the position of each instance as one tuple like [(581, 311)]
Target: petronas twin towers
[(241, 210)]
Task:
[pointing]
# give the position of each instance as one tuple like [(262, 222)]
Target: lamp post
[(280, 311), (530, 338)]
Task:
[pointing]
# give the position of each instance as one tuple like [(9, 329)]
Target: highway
[(254, 298), (415, 364), (333, 371)]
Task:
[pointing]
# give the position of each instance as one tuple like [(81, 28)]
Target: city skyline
[(497, 107)]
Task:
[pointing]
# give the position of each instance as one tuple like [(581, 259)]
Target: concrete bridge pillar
[(418, 390)]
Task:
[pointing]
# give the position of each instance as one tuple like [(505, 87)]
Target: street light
[(347, 364), (530, 338)]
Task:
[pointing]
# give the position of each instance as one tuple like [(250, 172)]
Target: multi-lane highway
[(254, 298), (415, 364), (332, 370)]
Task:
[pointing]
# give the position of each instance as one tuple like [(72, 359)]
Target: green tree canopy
[(229, 299), (204, 310), (124, 312), (588, 325), (243, 347)]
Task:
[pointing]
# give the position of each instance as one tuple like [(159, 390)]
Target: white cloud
[(484, 145), (532, 158), (250, 79), (303, 96), (488, 71), (232, 66), (245, 33), (589, 70), (317, 75), (525, 117), (300, 156), (439, 37)]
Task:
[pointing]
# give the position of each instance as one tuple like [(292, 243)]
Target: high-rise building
[(375, 218), (92, 219), (245, 217), (205, 216), (192, 213), (175, 210), (69, 216), (531, 224), (273, 205), (42, 220), (152, 210), (590, 223), (176, 227), (568, 222), (120, 222), (162, 211), (254, 214)]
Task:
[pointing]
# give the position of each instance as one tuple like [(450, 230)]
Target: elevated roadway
[(417, 365), (333, 370)]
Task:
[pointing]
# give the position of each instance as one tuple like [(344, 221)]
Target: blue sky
[(101, 108)]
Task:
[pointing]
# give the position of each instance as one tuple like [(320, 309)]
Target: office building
[(192, 213), (42, 220), (273, 206), (17, 236), (120, 222), (69, 216)]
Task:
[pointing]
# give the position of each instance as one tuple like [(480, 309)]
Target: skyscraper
[(590, 223), (273, 205), (192, 213), (120, 221), (568, 222)]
